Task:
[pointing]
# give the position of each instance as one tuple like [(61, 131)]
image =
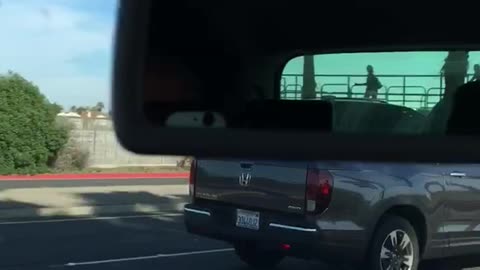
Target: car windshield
[(71, 197)]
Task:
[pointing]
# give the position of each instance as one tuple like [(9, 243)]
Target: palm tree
[(100, 106), (309, 84), (454, 71)]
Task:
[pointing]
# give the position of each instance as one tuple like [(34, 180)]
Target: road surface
[(92, 197), (135, 241), (128, 242)]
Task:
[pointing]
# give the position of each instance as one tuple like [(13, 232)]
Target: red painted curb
[(96, 176)]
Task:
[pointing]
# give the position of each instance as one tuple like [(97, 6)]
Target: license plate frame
[(248, 219)]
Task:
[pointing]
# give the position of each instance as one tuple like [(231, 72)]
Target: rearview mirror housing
[(166, 100)]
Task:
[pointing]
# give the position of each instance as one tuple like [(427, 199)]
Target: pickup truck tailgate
[(266, 185)]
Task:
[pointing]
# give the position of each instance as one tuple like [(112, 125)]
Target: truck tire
[(394, 246), (257, 257)]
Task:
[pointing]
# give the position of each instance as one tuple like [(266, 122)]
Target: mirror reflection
[(388, 92)]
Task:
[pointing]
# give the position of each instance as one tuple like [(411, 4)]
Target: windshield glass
[(71, 197)]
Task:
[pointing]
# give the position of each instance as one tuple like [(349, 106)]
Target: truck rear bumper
[(301, 234)]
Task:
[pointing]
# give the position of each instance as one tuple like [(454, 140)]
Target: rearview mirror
[(196, 89)]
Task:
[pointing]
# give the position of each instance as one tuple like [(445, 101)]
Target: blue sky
[(65, 48)]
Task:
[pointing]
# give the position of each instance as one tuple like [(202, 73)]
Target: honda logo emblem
[(244, 179)]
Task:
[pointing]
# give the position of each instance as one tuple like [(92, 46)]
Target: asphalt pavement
[(130, 240), (127, 242), (41, 199)]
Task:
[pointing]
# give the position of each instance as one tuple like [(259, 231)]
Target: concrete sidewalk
[(39, 203)]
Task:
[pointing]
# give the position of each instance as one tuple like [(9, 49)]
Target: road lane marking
[(87, 219), (127, 259)]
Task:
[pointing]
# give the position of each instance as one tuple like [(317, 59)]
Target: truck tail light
[(192, 179), (319, 190)]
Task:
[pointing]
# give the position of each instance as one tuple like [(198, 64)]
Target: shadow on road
[(32, 204), (133, 202), (11, 204), (102, 235), (10, 210), (37, 242)]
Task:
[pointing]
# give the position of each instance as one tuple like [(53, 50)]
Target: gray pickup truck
[(377, 215)]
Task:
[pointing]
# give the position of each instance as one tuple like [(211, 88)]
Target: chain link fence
[(105, 151)]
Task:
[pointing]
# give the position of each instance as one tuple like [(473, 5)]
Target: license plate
[(248, 219)]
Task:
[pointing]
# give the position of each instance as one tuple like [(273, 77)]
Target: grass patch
[(146, 169)]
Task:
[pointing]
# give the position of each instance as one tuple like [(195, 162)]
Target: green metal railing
[(402, 93)]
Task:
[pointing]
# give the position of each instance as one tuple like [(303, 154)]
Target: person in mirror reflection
[(476, 73), (454, 71), (372, 84)]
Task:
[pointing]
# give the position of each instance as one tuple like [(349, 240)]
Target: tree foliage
[(99, 107), (71, 157), (29, 135), (81, 109), (57, 108)]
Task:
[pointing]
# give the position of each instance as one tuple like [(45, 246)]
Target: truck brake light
[(192, 178), (319, 190)]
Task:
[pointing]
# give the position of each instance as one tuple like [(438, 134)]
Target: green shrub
[(29, 135), (71, 157), (185, 162)]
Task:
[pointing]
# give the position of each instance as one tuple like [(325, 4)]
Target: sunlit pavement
[(74, 198)]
